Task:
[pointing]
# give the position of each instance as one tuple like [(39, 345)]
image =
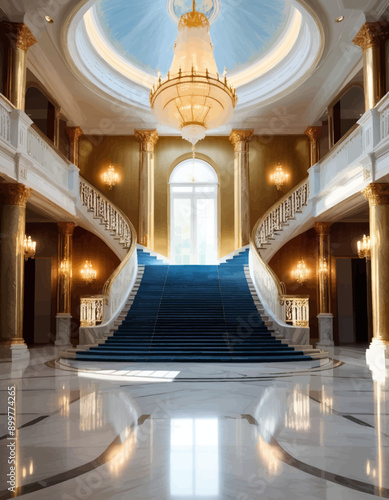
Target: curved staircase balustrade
[(290, 313), (100, 311)]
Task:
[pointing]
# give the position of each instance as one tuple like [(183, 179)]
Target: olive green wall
[(97, 151)]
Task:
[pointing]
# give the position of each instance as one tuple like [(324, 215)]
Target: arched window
[(193, 213)]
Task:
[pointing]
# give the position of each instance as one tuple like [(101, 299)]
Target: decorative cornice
[(323, 227), (239, 137), (314, 133), (66, 227), (74, 133), (377, 193), (14, 194), (19, 35), (371, 35), (147, 139)]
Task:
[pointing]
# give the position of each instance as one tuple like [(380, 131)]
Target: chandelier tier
[(193, 98), (88, 274)]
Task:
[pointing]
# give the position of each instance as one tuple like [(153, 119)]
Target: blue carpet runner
[(193, 314)]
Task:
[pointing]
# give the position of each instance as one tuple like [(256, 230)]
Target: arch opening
[(193, 213)]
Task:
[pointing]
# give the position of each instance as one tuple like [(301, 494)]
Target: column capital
[(19, 35), (322, 228), (66, 227), (239, 137), (14, 194), (74, 133), (377, 193), (371, 35), (313, 133), (147, 139)]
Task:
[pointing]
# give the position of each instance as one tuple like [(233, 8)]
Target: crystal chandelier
[(193, 98), (88, 273), (364, 250), (279, 177), (29, 248), (301, 273), (110, 177)]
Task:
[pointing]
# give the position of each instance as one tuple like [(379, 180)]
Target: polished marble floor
[(296, 431)]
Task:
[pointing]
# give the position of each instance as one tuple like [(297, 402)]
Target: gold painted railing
[(293, 310), (120, 228), (296, 309)]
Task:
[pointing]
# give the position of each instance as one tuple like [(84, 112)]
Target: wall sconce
[(88, 273), (29, 248), (301, 273), (64, 267), (110, 177), (364, 248), (279, 177)]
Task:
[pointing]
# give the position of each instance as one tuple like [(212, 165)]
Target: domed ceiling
[(144, 32)]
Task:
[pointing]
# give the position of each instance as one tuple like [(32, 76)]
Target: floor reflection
[(194, 457)]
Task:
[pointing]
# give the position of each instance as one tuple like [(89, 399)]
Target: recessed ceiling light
[(49, 19), (339, 19)]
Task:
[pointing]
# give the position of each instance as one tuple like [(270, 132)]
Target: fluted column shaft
[(325, 317), (147, 140), (372, 38), (64, 283), (240, 139), (19, 39), (314, 135), (74, 134), (13, 199), (378, 196)]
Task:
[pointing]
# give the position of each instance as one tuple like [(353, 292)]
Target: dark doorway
[(41, 111), (29, 301), (360, 301)]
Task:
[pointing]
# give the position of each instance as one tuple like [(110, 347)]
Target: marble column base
[(63, 329), (16, 353), (377, 358), (326, 330)]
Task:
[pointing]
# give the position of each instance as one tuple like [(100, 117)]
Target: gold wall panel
[(96, 152)]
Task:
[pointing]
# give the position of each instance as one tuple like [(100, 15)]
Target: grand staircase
[(193, 314)]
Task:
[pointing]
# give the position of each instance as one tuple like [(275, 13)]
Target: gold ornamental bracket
[(240, 138), (147, 139), (19, 35), (377, 194), (372, 34), (14, 194)]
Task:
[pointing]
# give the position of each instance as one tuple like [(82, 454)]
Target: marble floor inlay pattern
[(112, 431)]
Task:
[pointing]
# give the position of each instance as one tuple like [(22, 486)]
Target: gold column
[(12, 230), (240, 139), (147, 140), (314, 135), (378, 196), (20, 39), (372, 38), (325, 318), (64, 287), (74, 134)]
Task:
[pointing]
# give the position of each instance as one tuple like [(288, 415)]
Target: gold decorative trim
[(19, 35), (74, 133), (323, 227), (371, 35), (66, 227), (377, 194), (14, 194), (237, 137), (314, 133), (147, 139), (193, 20)]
